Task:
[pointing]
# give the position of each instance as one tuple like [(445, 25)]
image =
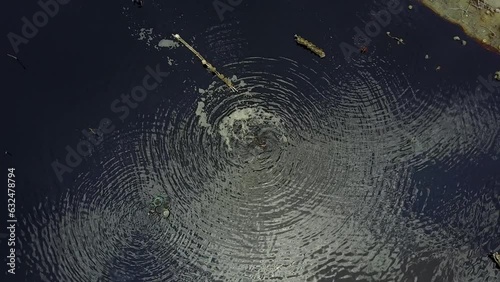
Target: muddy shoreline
[(480, 25)]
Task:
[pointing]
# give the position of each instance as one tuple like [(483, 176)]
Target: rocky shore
[(480, 19)]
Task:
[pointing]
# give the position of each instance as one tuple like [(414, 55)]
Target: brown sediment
[(476, 23)]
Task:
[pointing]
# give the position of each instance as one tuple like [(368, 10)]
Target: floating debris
[(410, 7), (17, 59), (209, 66), (427, 57), (399, 40), (495, 257), (166, 213), (309, 45), (97, 133), (159, 206), (456, 38), (94, 132), (497, 75), (438, 68)]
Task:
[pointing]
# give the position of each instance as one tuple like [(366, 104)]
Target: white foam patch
[(167, 43), (241, 84), (170, 61), (149, 37), (203, 122), (243, 118), (145, 34)]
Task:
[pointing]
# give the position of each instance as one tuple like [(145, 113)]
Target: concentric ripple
[(303, 174)]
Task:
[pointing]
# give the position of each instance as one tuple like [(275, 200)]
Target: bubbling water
[(302, 174)]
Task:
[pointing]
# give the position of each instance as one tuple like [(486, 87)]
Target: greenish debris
[(159, 206)]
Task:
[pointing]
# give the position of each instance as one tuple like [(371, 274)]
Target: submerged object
[(205, 63), (309, 45), (496, 258), (159, 206), (399, 40)]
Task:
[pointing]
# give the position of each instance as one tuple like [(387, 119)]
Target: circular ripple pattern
[(302, 174)]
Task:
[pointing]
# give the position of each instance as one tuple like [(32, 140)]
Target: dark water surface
[(376, 169)]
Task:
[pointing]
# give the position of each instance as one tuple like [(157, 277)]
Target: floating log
[(205, 63), (309, 45)]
